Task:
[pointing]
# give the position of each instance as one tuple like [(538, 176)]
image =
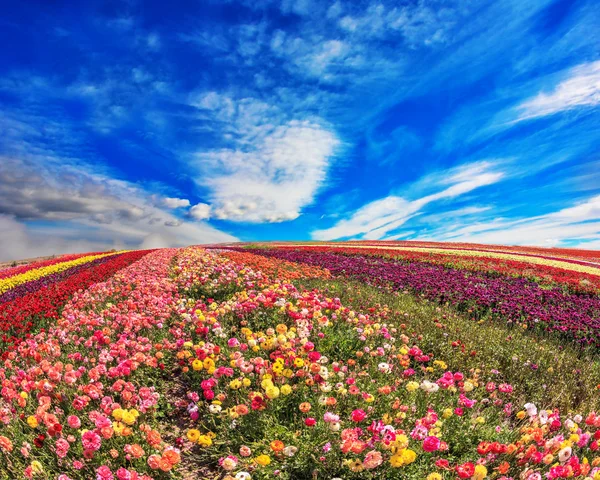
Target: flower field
[(353, 361)]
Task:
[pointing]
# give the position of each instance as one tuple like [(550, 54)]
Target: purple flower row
[(515, 300), (35, 285)]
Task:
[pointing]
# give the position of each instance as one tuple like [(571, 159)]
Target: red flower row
[(31, 312)]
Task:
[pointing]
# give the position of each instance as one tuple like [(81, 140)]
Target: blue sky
[(141, 124)]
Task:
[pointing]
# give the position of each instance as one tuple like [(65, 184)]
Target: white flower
[(564, 454), (577, 418), (429, 387), (531, 409), (290, 451), (335, 426), (543, 416), (214, 408), (384, 367)]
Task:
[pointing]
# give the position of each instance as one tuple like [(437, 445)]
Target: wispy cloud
[(580, 88), (578, 223), (376, 219)]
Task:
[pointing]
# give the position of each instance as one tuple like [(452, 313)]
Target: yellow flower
[(193, 435), (408, 456), (272, 392), (434, 476), (118, 427), (412, 386), (447, 413), (480, 472), (468, 386), (286, 389), (400, 443), (36, 467), (396, 460), (128, 418), (204, 441), (32, 421), (521, 415), (197, 365), (355, 465), (246, 382), (263, 460), (209, 363)]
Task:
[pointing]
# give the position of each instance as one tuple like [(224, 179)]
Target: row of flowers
[(561, 253), (36, 304), (11, 271), (36, 273), (545, 275), (514, 300), (270, 382), (575, 265)]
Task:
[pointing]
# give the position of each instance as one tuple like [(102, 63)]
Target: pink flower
[(373, 459), (62, 447), (91, 441), (431, 444), (104, 473), (73, 421), (124, 474), (310, 422), (245, 451), (358, 415)]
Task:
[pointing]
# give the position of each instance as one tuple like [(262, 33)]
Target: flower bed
[(514, 300), (41, 301)]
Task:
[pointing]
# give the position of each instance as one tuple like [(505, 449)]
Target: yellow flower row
[(575, 267), (36, 273)]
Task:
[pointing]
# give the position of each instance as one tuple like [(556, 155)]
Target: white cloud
[(581, 88), (272, 165), (273, 179), (374, 220), (578, 223), (200, 211), (171, 202)]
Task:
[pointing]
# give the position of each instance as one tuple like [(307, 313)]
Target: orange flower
[(305, 407), (5, 444), (154, 462), (503, 467), (172, 456), (277, 446), (153, 438)]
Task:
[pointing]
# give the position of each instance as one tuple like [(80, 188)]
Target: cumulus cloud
[(374, 220), (200, 211), (171, 202), (580, 88), (273, 181), (274, 167)]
